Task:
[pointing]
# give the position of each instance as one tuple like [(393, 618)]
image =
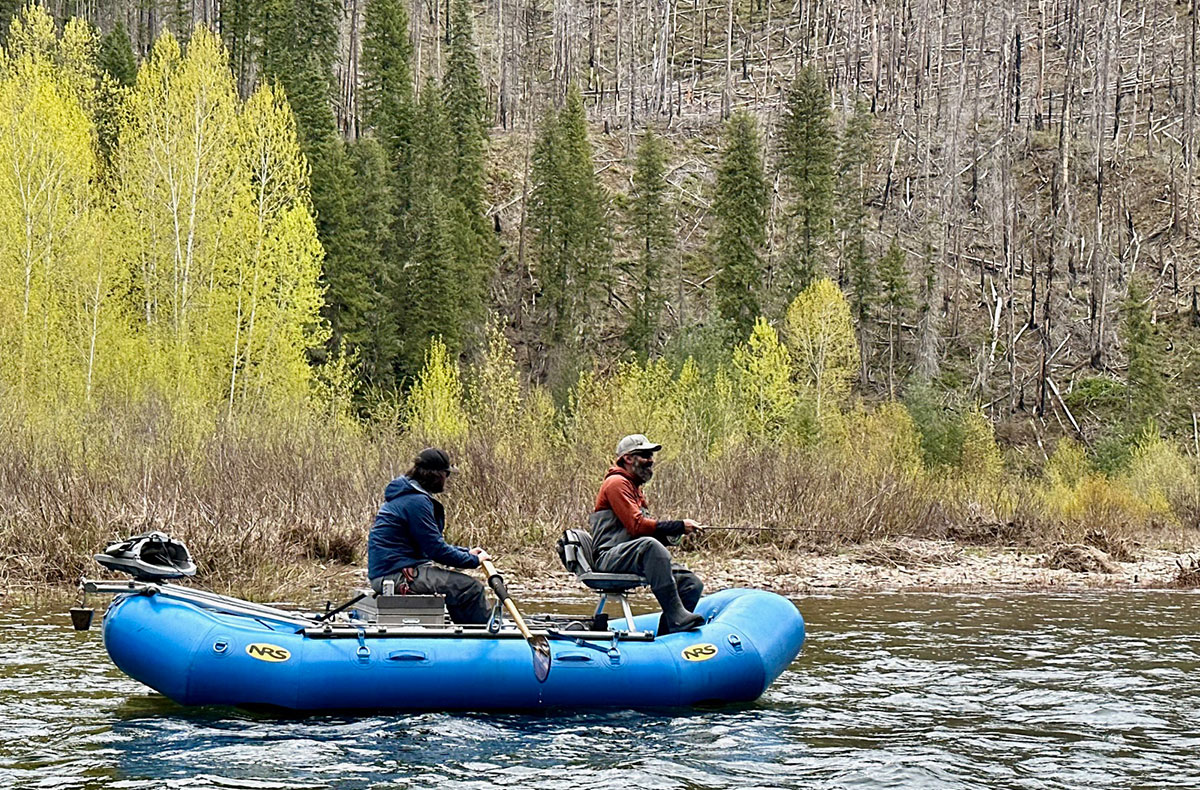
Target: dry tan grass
[(277, 510)]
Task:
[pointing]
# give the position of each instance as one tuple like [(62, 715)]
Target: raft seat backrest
[(576, 550)]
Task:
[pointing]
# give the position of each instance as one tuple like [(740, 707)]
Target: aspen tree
[(273, 281), (820, 335), (763, 371), (55, 292), (177, 166)]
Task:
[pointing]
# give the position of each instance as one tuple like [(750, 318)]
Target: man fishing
[(407, 539), (628, 540)]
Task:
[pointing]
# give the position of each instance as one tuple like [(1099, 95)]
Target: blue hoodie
[(408, 532)]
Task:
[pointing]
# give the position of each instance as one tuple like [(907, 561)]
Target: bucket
[(81, 618)]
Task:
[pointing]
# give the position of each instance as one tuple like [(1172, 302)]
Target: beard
[(643, 472)]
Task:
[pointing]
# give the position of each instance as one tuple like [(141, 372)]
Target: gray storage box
[(403, 609)]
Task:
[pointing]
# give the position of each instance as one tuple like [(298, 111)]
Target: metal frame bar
[(208, 600), (625, 610), (468, 632)]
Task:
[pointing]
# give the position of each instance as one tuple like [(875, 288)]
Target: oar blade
[(541, 657)]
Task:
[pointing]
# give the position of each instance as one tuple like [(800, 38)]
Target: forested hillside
[(941, 241)]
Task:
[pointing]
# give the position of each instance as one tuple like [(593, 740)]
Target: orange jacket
[(623, 496)]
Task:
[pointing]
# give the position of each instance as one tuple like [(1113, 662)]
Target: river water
[(1089, 690)]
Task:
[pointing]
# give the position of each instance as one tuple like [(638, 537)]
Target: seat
[(577, 552)]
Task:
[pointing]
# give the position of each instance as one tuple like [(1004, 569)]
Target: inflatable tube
[(198, 655)]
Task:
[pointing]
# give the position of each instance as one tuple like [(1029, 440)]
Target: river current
[(914, 690)]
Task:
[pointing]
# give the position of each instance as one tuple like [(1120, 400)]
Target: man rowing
[(408, 537)]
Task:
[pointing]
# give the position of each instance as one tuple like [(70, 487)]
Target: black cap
[(433, 459)]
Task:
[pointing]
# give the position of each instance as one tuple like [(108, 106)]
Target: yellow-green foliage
[(434, 411), (820, 334), (57, 283), (196, 278), (495, 390), (1158, 483), (882, 442), (516, 420), (1160, 476), (763, 372), (981, 464), (1073, 491)]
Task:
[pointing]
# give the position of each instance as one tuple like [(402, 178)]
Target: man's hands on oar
[(538, 644)]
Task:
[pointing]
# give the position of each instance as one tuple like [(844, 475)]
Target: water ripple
[(893, 691)]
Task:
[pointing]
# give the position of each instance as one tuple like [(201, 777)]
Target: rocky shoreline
[(914, 565), (895, 565)]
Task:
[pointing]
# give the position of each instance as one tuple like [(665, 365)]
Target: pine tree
[(740, 209), (896, 299), (466, 116), (387, 94), (857, 266), (653, 228), (808, 147), (117, 58), (118, 71), (432, 290), (569, 214), (8, 11), (371, 205), (465, 110), (1145, 384)]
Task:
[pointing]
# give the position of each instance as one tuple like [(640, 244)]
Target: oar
[(538, 644)]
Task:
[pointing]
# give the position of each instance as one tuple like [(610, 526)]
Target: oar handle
[(496, 582)]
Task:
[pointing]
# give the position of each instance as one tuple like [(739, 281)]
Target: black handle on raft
[(496, 582), (344, 606)]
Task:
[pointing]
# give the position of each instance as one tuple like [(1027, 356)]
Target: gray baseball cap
[(634, 443)]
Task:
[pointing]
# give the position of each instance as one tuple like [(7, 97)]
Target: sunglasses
[(643, 453)]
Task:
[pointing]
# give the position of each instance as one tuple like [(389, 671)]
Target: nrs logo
[(699, 652), (265, 652)]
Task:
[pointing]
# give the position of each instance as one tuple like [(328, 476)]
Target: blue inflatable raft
[(199, 648)]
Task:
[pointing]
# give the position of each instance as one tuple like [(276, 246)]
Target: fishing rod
[(708, 528)]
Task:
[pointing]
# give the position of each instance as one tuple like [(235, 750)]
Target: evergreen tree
[(239, 26), (896, 299), (1145, 384), (117, 58), (118, 72), (568, 212), (299, 41), (432, 292), (854, 152), (387, 94), (808, 148), (465, 113), (652, 222), (465, 110), (375, 331), (8, 10), (740, 209)]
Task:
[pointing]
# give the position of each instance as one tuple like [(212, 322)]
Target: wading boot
[(674, 617)]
